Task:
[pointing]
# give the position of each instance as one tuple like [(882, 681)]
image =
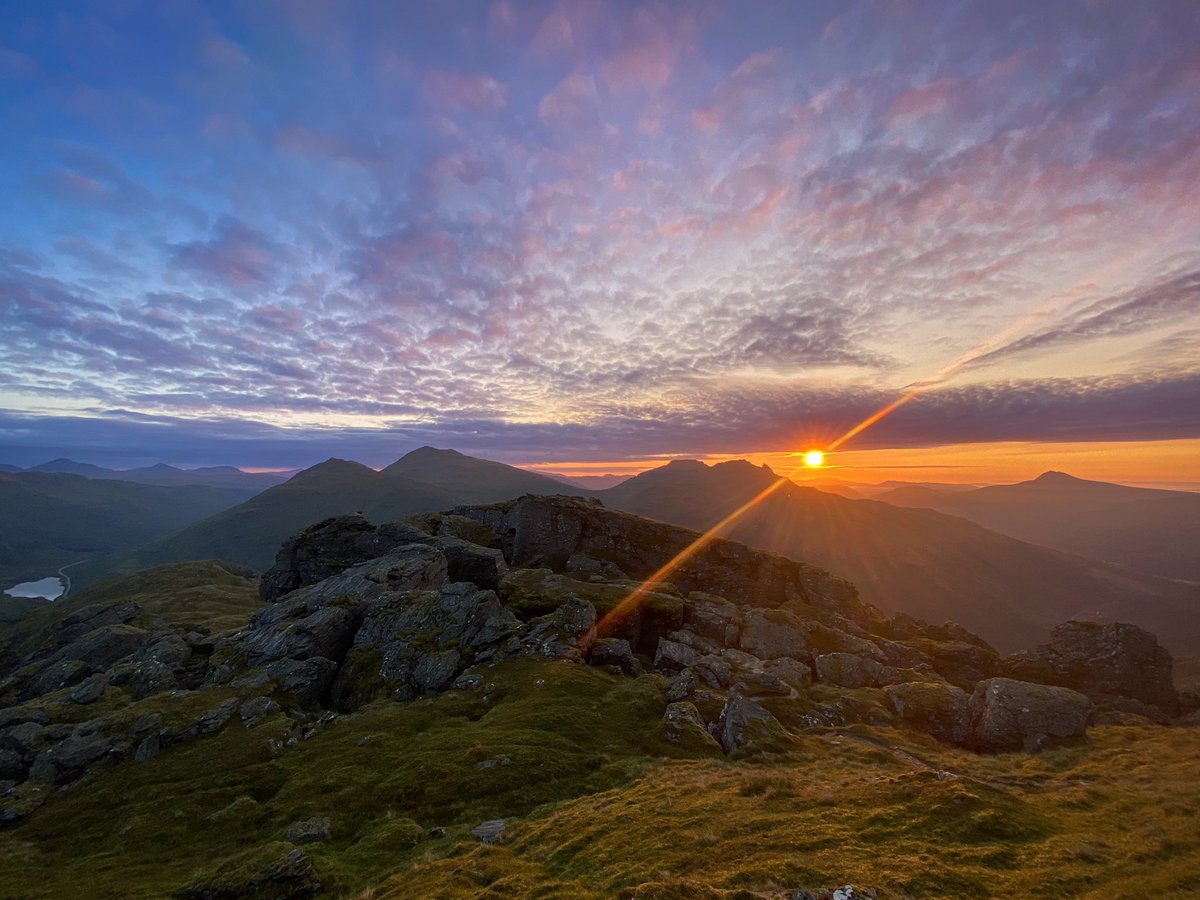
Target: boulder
[(615, 652), (673, 655), (713, 671), (685, 726), (68, 760), (490, 832), (940, 710), (847, 670), (103, 646), (12, 766), (566, 633), (1016, 715), (256, 710), (90, 689), (745, 725), (680, 687), (1103, 661), (713, 617), (774, 633), (309, 831)]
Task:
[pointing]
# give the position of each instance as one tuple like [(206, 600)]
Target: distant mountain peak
[(428, 452), (332, 466), (1053, 477), (680, 464)]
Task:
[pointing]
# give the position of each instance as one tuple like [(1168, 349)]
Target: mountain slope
[(48, 520), (919, 561), (250, 534), (1149, 531), (475, 480)]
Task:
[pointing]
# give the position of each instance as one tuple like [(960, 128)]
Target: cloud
[(671, 228), (479, 93), (1141, 309), (236, 256)]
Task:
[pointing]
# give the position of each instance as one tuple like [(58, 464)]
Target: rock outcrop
[(747, 646), (1018, 715), (1107, 662)]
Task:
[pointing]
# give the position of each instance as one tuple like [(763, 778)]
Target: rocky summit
[(737, 661)]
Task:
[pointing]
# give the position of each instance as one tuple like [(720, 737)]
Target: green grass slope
[(600, 804), (51, 520)]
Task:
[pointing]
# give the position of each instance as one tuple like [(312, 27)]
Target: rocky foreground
[(738, 657)]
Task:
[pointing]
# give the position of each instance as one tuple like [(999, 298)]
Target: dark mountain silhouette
[(162, 474), (64, 466), (474, 480), (918, 561), (250, 534), (1153, 532)]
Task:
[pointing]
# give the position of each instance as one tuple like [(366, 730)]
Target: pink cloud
[(649, 52), (555, 36), (923, 100), (571, 101), (458, 89)]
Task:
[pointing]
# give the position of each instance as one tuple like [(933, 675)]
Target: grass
[(207, 594), (601, 804)]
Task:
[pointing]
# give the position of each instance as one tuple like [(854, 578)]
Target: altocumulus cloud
[(575, 231)]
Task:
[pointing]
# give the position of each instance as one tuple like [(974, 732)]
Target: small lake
[(50, 588)]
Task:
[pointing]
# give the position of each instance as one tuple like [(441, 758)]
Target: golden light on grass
[(814, 459)]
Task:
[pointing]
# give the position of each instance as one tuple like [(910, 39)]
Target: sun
[(814, 459)]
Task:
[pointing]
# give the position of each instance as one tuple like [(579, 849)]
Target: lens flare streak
[(1050, 304)]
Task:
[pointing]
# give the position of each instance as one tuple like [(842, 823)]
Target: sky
[(593, 236)]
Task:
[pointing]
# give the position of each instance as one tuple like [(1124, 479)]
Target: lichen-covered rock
[(673, 655), (419, 642), (774, 633), (1103, 661), (615, 652), (940, 710), (847, 670), (713, 671), (745, 725), (492, 831), (548, 531), (1017, 715), (329, 548), (680, 687), (685, 726)]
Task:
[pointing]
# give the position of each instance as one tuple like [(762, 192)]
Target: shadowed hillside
[(250, 534), (917, 561), (51, 520), (1149, 531)]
